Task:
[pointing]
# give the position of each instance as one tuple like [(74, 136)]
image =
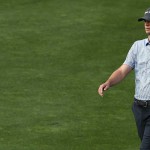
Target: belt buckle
[(146, 104)]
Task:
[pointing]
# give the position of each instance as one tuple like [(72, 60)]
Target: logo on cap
[(147, 12)]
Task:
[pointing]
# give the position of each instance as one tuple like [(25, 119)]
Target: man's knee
[(145, 145)]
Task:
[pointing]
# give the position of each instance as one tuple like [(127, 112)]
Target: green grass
[(54, 55)]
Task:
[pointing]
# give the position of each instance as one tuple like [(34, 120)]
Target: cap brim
[(141, 19), (144, 18)]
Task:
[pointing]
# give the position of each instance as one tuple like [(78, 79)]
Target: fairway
[(54, 55)]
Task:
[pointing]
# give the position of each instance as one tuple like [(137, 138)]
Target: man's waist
[(143, 103)]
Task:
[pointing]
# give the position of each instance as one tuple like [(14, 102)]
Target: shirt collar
[(147, 42)]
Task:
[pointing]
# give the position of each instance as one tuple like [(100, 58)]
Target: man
[(138, 58)]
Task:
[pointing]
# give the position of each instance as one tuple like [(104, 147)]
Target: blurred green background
[(54, 55)]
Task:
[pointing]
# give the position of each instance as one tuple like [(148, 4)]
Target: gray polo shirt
[(138, 58)]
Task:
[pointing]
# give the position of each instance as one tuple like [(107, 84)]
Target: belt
[(143, 103)]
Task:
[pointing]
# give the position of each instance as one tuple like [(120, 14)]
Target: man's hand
[(103, 87), (115, 78)]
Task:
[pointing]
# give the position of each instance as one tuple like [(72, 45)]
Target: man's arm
[(115, 78)]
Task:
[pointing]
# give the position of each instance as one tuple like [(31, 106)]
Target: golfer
[(138, 59)]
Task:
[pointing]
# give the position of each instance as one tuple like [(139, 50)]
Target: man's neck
[(149, 38)]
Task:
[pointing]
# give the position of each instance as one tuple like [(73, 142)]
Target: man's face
[(147, 27)]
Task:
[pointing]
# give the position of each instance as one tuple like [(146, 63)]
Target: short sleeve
[(131, 56)]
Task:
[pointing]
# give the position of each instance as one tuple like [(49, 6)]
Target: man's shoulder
[(139, 45), (141, 42)]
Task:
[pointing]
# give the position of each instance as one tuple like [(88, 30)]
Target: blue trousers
[(142, 118)]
